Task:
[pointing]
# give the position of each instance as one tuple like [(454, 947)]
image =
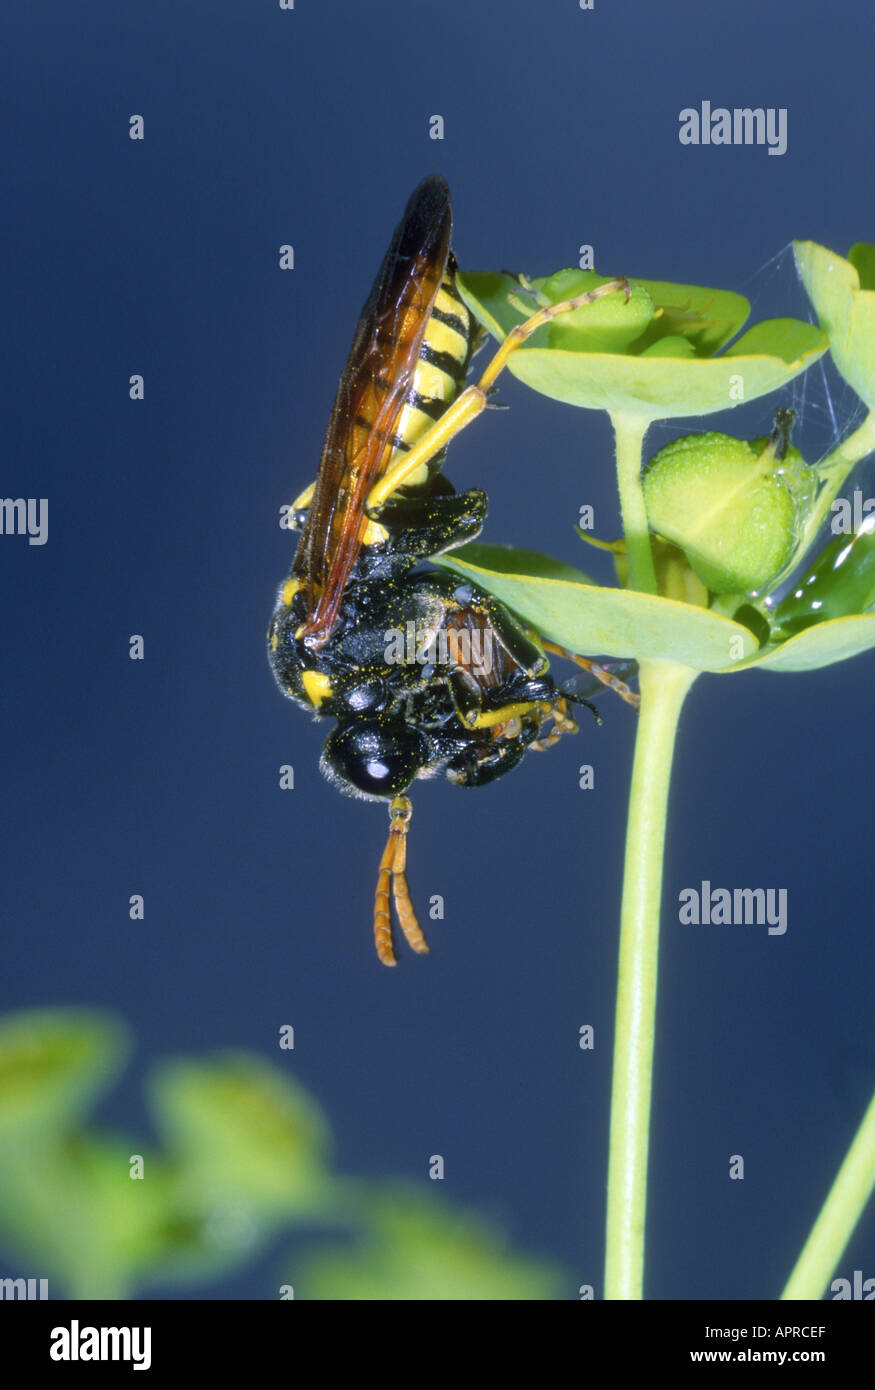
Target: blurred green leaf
[(422, 1249), (53, 1063), (243, 1132), (116, 1226), (99, 1215)]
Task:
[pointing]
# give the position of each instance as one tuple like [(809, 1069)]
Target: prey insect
[(424, 675)]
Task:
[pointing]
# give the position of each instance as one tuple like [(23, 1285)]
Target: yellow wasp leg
[(473, 399), (373, 533), (304, 499), (517, 336), (613, 682), (562, 724), (488, 719), (393, 867), (463, 410)]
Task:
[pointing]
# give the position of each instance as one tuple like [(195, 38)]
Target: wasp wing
[(582, 687), (375, 382)]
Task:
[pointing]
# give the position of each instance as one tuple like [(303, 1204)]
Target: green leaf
[(860, 349), (709, 318), (491, 297), (670, 347), (704, 318), (786, 339), (845, 309), (610, 360), (243, 1130), (655, 386), (823, 645), (421, 1249), (121, 1223), (509, 559), (829, 282), (72, 1209), (53, 1063), (607, 325), (862, 258), (592, 620)]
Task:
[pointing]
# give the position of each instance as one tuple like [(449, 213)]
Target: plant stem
[(663, 688), (840, 1213), (629, 432)]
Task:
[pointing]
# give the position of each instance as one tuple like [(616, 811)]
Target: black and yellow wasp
[(425, 675)]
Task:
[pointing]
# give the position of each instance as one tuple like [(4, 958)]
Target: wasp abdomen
[(439, 374)]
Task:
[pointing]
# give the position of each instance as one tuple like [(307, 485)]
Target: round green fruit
[(729, 505)]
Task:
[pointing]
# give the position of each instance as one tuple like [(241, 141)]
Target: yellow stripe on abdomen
[(436, 383), (445, 337)]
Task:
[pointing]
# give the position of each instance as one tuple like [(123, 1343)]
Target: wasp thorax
[(732, 506)]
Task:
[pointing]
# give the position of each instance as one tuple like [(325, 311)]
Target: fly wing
[(372, 390)]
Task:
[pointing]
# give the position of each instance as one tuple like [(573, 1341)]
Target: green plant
[(711, 531), (245, 1158)]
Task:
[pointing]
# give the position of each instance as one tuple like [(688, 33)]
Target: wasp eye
[(375, 759)]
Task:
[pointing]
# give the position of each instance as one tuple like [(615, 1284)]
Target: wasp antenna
[(401, 812), (382, 920), (406, 915)]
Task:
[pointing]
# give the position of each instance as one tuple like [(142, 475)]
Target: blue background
[(161, 777)]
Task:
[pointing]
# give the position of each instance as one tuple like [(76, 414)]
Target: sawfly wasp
[(471, 692)]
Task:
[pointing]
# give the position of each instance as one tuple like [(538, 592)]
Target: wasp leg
[(303, 500), (562, 724), (473, 399), (504, 649), (300, 507), (393, 866), (502, 719), (518, 335), (429, 525), (472, 770), (612, 682), (500, 626)]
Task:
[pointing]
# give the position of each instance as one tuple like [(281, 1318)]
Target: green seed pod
[(731, 505)]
